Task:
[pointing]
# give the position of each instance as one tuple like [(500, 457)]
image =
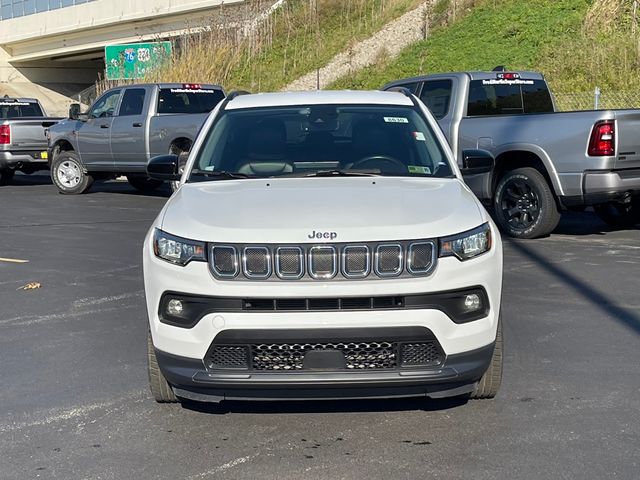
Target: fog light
[(175, 307), (472, 302)]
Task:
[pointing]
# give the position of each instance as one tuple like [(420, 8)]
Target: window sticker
[(419, 169), (13, 104), (396, 120), (419, 136), (191, 90), (507, 82)]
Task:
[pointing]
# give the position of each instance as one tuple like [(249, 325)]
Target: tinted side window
[(132, 102), (436, 95), (180, 100), (105, 106), (537, 98)]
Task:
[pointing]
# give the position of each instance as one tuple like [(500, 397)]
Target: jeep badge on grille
[(323, 235)]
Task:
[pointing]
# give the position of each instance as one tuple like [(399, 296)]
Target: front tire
[(68, 174), (524, 204), (619, 215), (6, 176), (142, 183), (489, 384), (160, 388)]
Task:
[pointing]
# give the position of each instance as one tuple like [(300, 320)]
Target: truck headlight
[(468, 244), (177, 250)]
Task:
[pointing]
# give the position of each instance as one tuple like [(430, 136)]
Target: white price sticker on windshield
[(396, 120)]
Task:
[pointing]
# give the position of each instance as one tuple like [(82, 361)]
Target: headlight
[(468, 244), (177, 250)]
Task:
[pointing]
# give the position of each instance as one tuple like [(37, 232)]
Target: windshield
[(320, 140)]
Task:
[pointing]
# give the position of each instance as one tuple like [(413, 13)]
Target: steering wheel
[(396, 165)]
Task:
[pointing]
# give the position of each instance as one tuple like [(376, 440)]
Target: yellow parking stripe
[(13, 260)]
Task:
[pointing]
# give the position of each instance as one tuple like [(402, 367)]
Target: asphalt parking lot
[(74, 401)]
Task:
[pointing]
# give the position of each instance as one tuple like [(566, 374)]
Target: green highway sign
[(134, 60)]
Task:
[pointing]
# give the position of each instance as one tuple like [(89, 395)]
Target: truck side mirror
[(164, 167), (477, 161), (74, 111)]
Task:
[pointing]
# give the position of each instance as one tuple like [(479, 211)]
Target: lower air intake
[(290, 356), (420, 354), (228, 357)]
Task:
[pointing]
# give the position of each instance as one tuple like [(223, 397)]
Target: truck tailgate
[(628, 132), (30, 133)]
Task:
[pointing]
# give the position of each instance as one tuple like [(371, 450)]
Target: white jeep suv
[(322, 245)]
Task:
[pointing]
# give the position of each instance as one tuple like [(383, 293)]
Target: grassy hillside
[(504, 32), (298, 38), (577, 44)]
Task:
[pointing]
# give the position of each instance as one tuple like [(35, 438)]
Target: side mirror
[(164, 167), (477, 161), (74, 111)]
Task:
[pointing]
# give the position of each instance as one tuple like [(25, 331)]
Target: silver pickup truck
[(23, 145), (546, 161), (124, 129)]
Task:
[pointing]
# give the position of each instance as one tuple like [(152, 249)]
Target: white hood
[(288, 210)]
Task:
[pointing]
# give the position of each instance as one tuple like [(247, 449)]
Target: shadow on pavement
[(589, 294), (325, 406), (109, 186)]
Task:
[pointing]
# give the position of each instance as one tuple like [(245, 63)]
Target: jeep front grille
[(323, 262)]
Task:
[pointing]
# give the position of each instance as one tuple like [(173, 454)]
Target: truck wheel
[(6, 176), (143, 183), (489, 384), (619, 215), (160, 388), (67, 173), (524, 204)]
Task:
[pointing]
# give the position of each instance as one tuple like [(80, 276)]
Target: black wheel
[(6, 176), (619, 215), (160, 388), (143, 183), (68, 174), (489, 384), (524, 204)]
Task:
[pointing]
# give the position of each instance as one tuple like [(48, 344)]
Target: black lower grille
[(227, 357), (329, 349), (290, 356), (420, 354)]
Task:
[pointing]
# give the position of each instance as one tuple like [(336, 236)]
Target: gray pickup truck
[(23, 145), (124, 129), (546, 161)]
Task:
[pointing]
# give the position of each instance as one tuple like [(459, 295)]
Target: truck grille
[(323, 262)]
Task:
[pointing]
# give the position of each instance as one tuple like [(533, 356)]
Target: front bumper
[(456, 376)]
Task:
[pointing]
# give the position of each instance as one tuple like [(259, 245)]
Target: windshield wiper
[(220, 175), (344, 173)]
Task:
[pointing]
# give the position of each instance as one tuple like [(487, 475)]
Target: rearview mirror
[(477, 161), (164, 167)]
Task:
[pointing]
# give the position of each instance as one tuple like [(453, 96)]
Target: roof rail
[(236, 93), (404, 90)]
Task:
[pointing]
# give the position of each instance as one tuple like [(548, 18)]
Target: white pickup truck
[(546, 161), (322, 245)]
